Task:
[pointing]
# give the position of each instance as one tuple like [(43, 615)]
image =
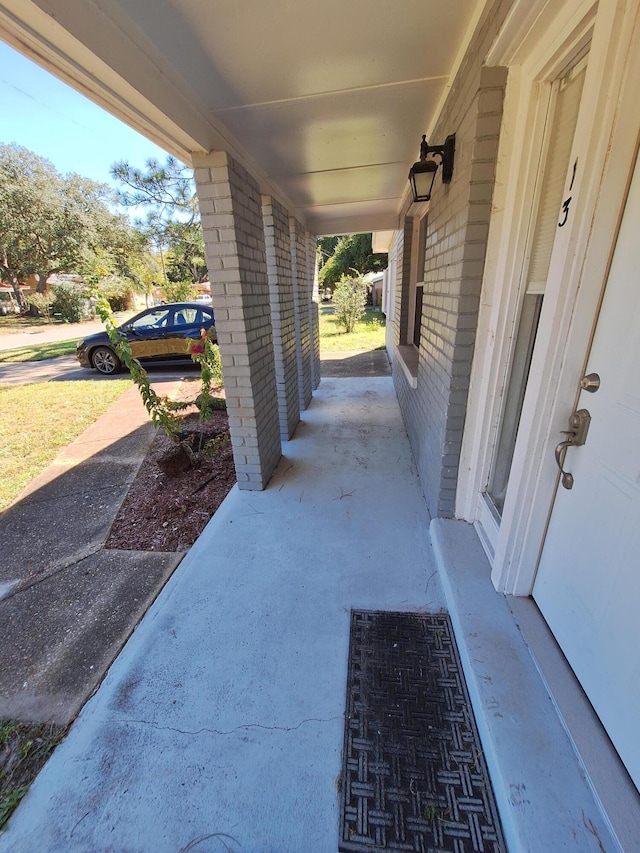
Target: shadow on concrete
[(342, 365), (67, 606)]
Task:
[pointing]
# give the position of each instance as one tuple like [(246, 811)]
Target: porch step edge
[(544, 798)]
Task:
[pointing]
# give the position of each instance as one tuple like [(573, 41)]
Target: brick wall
[(458, 226), (394, 272), (278, 252), (301, 298), (231, 209)]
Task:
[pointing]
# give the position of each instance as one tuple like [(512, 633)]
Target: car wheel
[(105, 360)]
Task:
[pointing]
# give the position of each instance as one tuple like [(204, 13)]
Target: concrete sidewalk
[(224, 712), (67, 605), (220, 724)]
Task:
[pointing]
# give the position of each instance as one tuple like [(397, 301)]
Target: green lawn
[(367, 335), (37, 420), (10, 323), (38, 352)]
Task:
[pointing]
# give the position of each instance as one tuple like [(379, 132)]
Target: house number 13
[(567, 202)]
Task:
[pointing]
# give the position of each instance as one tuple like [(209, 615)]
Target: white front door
[(588, 580)]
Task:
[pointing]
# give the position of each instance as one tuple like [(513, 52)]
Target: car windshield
[(156, 319)]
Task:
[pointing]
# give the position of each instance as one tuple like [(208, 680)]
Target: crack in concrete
[(49, 572), (243, 727)]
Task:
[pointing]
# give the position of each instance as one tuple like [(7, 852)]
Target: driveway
[(62, 368), (32, 335), (65, 368)]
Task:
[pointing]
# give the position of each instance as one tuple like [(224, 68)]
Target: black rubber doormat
[(413, 774)]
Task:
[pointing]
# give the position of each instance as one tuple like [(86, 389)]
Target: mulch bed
[(168, 510)]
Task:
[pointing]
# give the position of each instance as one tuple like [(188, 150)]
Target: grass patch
[(367, 335), (21, 322), (24, 748), (37, 420), (38, 352)]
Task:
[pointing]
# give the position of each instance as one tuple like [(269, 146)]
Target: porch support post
[(301, 297), (314, 310), (278, 249), (231, 209)]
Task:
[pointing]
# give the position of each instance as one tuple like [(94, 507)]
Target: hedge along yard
[(38, 420)]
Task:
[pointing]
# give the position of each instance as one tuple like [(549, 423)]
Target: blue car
[(159, 335)]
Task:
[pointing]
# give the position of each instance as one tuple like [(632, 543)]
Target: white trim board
[(606, 135)]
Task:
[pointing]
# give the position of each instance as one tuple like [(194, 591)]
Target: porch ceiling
[(324, 102)]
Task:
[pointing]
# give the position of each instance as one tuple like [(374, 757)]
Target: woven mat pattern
[(414, 777)]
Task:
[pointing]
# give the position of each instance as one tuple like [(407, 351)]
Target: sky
[(50, 118)]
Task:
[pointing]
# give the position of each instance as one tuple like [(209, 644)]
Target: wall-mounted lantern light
[(423, 173)]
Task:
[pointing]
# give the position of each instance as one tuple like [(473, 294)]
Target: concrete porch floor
[(220, 724)]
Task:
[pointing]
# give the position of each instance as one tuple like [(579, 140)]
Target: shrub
[(42, 302), (349, 300), (179, 291), (119, 292), (68, 303)]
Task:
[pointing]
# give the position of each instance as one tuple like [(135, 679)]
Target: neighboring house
[(504, 293), (374, 282)]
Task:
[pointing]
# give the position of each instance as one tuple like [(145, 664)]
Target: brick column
[(231, 209), (301, 298), (314, 310), (278, 248)]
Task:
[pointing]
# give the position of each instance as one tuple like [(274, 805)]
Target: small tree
[(179, 291), (119, 292), (42, 302), (349, 300)]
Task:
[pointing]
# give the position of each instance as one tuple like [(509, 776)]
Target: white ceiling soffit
[(324, 102), (381, 241)]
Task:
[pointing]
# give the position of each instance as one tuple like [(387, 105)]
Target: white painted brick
[(202, 175)]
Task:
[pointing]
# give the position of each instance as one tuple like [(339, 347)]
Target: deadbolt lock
[(579, 423), (590, 383)]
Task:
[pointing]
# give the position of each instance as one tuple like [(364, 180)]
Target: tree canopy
[(347, 255), (53, 223), (172, 222)]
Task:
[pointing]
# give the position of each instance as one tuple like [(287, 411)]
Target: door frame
[(605, 147)]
